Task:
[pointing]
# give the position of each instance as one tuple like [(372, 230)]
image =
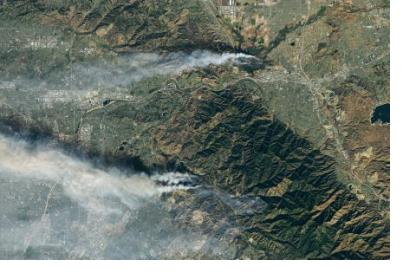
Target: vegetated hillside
[(144, 25)]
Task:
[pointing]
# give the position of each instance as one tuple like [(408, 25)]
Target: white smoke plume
[(56, 204), (80, 180), (125, 69)]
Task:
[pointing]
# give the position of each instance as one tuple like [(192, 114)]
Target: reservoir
[(381, 114)]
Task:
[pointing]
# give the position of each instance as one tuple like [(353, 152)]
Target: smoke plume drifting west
[(56, 206), (123, 70)]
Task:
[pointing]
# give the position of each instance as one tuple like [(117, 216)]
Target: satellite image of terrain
[(195, 129)]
